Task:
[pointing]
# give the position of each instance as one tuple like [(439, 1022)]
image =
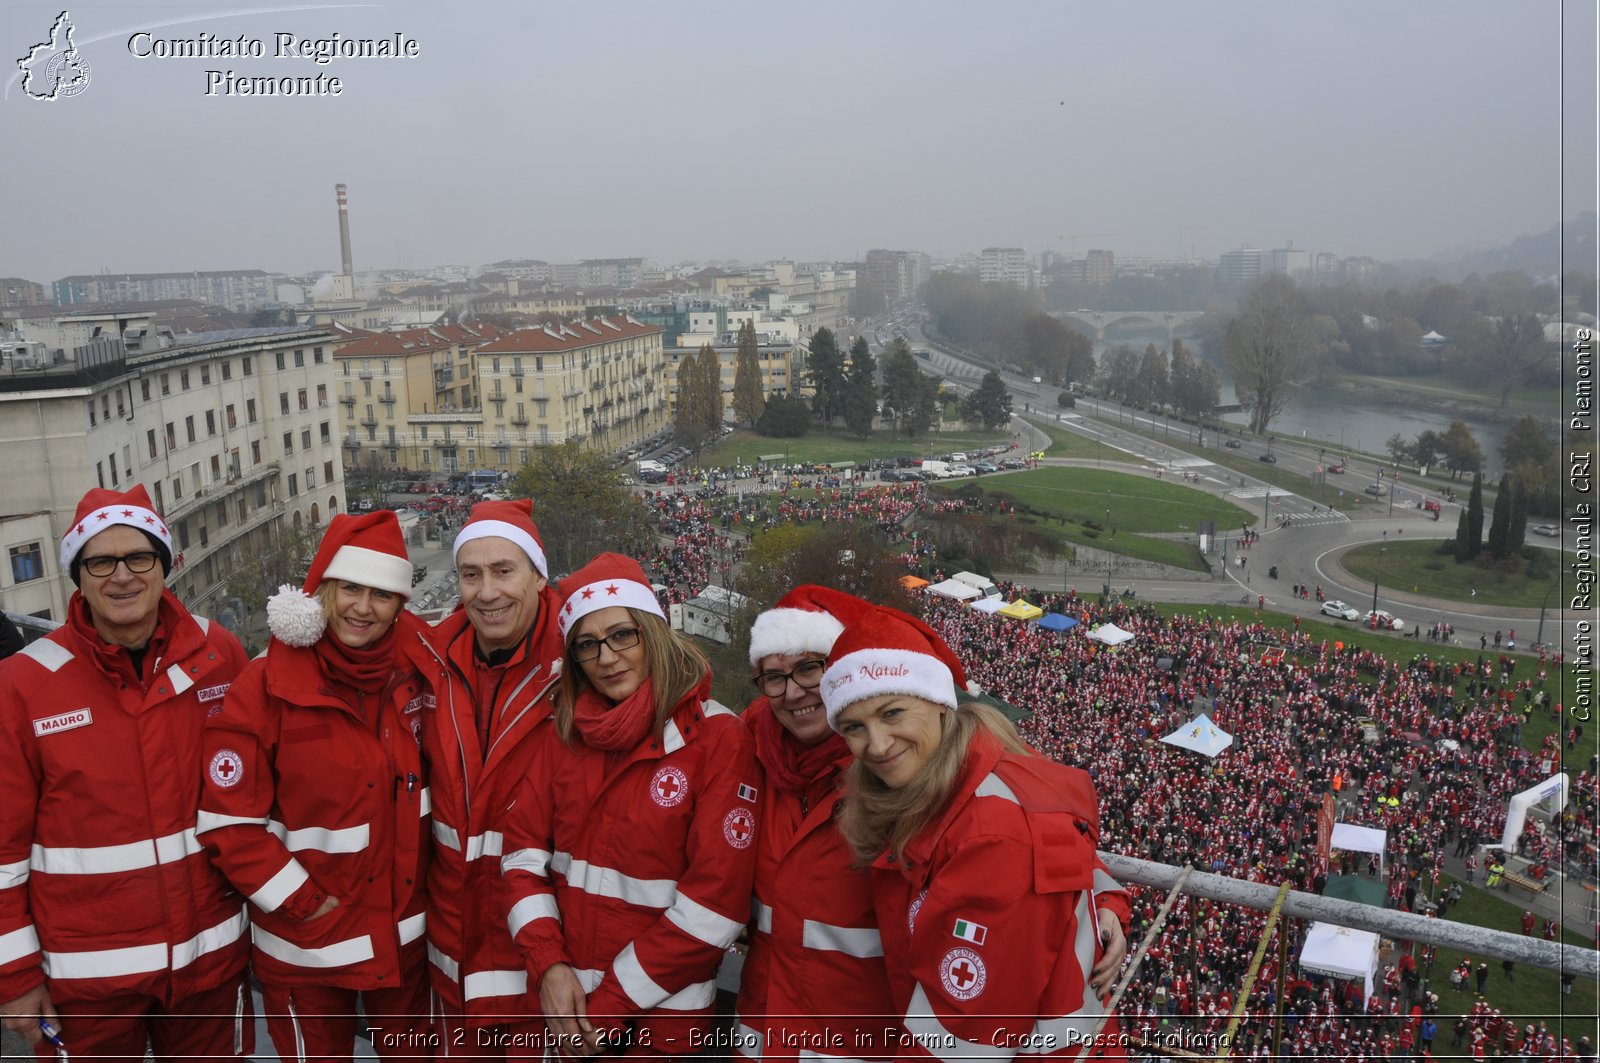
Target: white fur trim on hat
[(785, 632), (871, 673), (499, 529), (602, 594), (132, 516), (370, 568), (295, 617)]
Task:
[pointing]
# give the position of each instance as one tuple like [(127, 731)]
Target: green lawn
[(1137, 503), (839, 445), (1532, 994), (1068, 444), (1417, 566)]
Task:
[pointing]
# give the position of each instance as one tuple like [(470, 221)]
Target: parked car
[(962, 470), (1375, 490), (1383, 620), (1337, 469), (1334, 607), (1549, 531), (986, 466), (1233, 444), (1269, 457), (1013, 463)]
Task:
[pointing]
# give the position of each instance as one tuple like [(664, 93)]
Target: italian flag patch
[(973, 932), (747, 793)]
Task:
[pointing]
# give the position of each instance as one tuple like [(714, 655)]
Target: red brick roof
[(571, 336)]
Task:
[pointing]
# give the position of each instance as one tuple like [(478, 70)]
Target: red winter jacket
[(99, 866), (989, 923), (814, 980), (304, 798), (635, 868), (474, 967)]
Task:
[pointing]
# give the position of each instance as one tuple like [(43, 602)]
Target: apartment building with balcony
[(233, 434)]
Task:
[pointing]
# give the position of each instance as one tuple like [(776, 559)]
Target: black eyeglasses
[(807, 675), (104, 565), (624, 638)]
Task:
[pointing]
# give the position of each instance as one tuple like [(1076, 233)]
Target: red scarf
[(367, 669), (793, 767), (615, 726)]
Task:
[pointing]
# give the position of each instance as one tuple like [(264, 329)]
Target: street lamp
[(1538, 639), (1382, 550)]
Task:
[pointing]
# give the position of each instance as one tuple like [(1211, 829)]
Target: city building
[(243, 290), (14, 291), (897, 274), (1006, 265), (1288, 260), (1099, 267), (1239, 269), (234, 435)]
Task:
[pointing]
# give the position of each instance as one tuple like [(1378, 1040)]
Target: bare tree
[(1507, 348), (1269, 348)]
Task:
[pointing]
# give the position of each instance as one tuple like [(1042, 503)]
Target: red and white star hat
[(609, 579), (511, 519), (884, 651), (101, 509), (806, 620)]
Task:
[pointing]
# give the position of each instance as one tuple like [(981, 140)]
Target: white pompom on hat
[(607, 580), (369, 549), (884, 651), (511, 519), (806, 620)]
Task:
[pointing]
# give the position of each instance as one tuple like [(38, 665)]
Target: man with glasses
[(493, 664), (114, 927)]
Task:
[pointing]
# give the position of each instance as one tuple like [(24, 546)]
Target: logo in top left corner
[(55, 69)]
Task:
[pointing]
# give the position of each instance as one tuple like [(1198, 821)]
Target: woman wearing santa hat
[(814, 983), (314, 803), (629, 845), (984, 872)]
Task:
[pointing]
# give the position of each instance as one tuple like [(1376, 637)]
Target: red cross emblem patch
[(669, 787), (739, 828), (226, 769), (962, 974)]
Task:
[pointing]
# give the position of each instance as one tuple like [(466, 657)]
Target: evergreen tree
[(925, 404), (749, 399), (1500, 523), (710, 393), (786, 416), (826, 373), (860, 395), (990, 403), (688, 417), (1463, 536), (902, 383), (1517, 533), (1474, 542)]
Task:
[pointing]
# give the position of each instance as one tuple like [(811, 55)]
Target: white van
[(981, 583)]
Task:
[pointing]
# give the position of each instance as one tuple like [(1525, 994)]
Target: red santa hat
[(806, 620), (607, 580), (884, 651), (101, 509), (511, 519), (368, 549)]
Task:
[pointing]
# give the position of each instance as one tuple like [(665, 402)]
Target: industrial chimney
[(344, 231)]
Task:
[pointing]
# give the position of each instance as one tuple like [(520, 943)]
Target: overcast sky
[(698, 129)]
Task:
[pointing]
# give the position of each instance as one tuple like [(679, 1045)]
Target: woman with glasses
[(985, 879), (629, 847), (813, 983), (314, 805)]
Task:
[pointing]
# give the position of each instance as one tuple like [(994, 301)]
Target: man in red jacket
[(493, 664), (114, 927)]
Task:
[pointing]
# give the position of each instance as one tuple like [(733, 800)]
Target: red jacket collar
[(176, 635)]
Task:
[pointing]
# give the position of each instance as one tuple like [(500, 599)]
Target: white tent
[(1356, 839), (1340, 952), (989, 605), (954, 588), (1111, 635), (1517, 810), (1200, 735)]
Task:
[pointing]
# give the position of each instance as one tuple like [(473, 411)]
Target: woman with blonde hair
[(988, 891), (314, 804), (629, 847)]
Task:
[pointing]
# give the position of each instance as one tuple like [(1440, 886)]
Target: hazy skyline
[(719, 130)]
